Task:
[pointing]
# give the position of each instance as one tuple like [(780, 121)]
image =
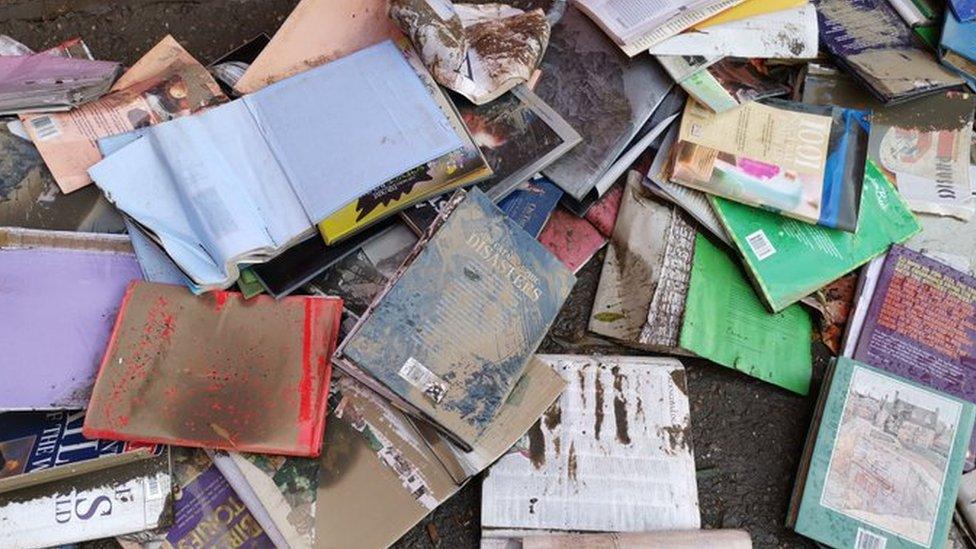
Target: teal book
[(452, 332), (882, 463), (789, 260)]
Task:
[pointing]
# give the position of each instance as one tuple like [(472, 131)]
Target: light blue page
[(346, 127)]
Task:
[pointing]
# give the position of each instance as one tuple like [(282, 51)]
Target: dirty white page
[(790, 34), (612, 454)]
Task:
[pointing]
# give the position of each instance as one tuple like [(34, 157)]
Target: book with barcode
[(454, 328), (111, 502), (788, 259), (882, 462), (666, 288)]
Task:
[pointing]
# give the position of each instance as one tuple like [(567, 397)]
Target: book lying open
[(241, 182), (431, 341)]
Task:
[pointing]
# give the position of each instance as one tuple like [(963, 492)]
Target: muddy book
[(666, 288), (215, 371), (882, 462), (453, 330), (620, 432), (920, 323)]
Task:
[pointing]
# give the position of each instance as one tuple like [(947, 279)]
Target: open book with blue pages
[(241, 182)]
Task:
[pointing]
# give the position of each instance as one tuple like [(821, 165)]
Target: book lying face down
[(216, 371), (452, 332), (241, 182)]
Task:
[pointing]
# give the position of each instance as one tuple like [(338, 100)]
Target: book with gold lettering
[(802, 161), (451, 333)]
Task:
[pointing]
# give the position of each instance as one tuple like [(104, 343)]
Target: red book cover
[(217, 371)]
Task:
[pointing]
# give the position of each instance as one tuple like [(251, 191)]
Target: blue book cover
[(957, 49), (883, 462), (35, 441), (453, 331), (965, 10), (531, 204)]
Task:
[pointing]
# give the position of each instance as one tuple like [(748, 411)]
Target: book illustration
[(297, 481), (891, 455), (392, 191)]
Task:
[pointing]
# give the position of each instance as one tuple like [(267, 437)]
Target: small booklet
[(882, 462), (476, 296), (216, 371), (241, 182), (957, 48), (803, 161)]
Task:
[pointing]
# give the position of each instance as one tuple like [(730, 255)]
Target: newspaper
[(478, 50), (165, 83)]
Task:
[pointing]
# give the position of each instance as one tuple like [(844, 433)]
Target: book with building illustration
[(882, 463)]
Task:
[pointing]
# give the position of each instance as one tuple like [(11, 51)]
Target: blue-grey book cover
[(454, 330)]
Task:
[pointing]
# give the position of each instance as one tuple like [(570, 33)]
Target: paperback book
[(472, 250)]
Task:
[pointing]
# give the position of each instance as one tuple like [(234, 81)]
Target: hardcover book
[(889, 63), (434, 344), (957, 48), (920, 324), (603, 440), (665, 288), (789, 260), (882, 462), (531, 204), (802, 161), (216, 371), (59, 301), (38, 447)]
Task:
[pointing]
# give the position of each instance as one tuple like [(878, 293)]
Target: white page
[(613, 454), (790, 34), (344, 128)]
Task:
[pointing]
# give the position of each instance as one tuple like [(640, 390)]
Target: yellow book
[(747, 9)]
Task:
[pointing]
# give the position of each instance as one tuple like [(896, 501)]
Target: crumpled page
[(478, 50)]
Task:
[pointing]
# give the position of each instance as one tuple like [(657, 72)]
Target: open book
[(244, 181)]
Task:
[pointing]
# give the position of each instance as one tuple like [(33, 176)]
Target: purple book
[(59, 306), (921, 324)]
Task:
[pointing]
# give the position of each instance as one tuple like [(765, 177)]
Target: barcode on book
[(44, 128), (152, 487), (869, 540), (760, 245), (420, 377)]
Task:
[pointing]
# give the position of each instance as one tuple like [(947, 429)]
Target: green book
[(789, 259), (882, 463), (248, 283), (725, 322)]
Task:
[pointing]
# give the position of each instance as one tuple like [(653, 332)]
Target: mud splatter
[(620, 417), (537, 446), (571, 464), (679, 439), (582, 385), (680, 380), (532, 502), (553, 416), (598, 423), (609, 317)]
